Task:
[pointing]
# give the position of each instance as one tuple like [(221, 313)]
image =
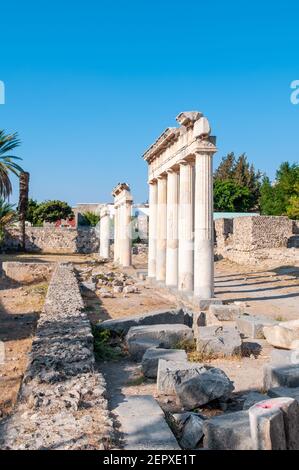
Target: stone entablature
[(123, 202), (180, 176)]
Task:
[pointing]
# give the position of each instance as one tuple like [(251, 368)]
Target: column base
[(187, 296)]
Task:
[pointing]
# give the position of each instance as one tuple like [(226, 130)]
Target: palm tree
[(7, 215), (8, 142), (23, 204)]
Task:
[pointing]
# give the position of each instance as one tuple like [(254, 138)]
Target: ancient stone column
[(116, 224), (186, 258), (152, 241), (161, 228), (204, 232), (126, 256), (105, 232), (171, 278)]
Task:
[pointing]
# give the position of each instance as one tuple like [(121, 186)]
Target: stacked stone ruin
[(180, 181), (122, 224)]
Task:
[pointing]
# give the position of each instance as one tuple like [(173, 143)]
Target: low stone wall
[(250, 239), (61, 403), (53, 240), (27, 272)]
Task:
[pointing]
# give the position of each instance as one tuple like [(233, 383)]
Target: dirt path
[(273, 293), (19, 311)]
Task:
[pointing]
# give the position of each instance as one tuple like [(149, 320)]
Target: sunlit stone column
[(171, 278), (152, 236), (161, 228), (186, 227), (105, 232), (204, 233), (126, 255), (116, 231)]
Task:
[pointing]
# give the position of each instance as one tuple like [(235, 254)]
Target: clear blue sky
[(90, 85)]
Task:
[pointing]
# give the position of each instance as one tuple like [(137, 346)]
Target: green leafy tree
[(89, 219), (31, 215), (231, 197), (281, 198), (51, 211), (8, 142), (240, 182)]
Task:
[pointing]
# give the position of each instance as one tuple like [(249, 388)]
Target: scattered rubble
[(284, 335)]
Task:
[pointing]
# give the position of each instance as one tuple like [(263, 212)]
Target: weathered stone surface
[(151, 358), (122, 325), (53, 240), (252, 398), (89, 286), (284, 335), (192, 431), (168, 336), (285, 356), (204, 304), (226, 312), (267, 427), (138, 347), (199, 386), (61, 403), (219, 340), (252, 327), (277, 392), (166, 375), (144, 426), (274, 424), (230, 431), (281, 375)]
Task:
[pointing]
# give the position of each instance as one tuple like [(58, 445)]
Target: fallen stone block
[(226, 312), (168, 336), (252, 398), (219, 340), (277, 392), (201, 385), (143, 424), (283, 335), (190, 429), (88, 286), (281, 375), (230, 431), (122, 325), (204, 304), (138, 347), (166, 375), (285, 356), (274, 424), (252, 327), (150, 359)]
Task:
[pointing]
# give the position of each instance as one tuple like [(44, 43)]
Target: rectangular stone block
[(151, 357), (252, 327), (219, 340), (281, 376), (143, 424), (166, 375), (226, 312), (122, 325), (229, 431), (277, 392), (285, 356)]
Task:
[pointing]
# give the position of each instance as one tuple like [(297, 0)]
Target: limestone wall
[(62, 402), (250, 239), (53, 240)]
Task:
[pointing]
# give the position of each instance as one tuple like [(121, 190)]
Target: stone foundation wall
[(62, 402), (27, 272), (53, 240), (247, 240)]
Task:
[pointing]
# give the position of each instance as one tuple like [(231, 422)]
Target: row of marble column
[(181, 227)]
